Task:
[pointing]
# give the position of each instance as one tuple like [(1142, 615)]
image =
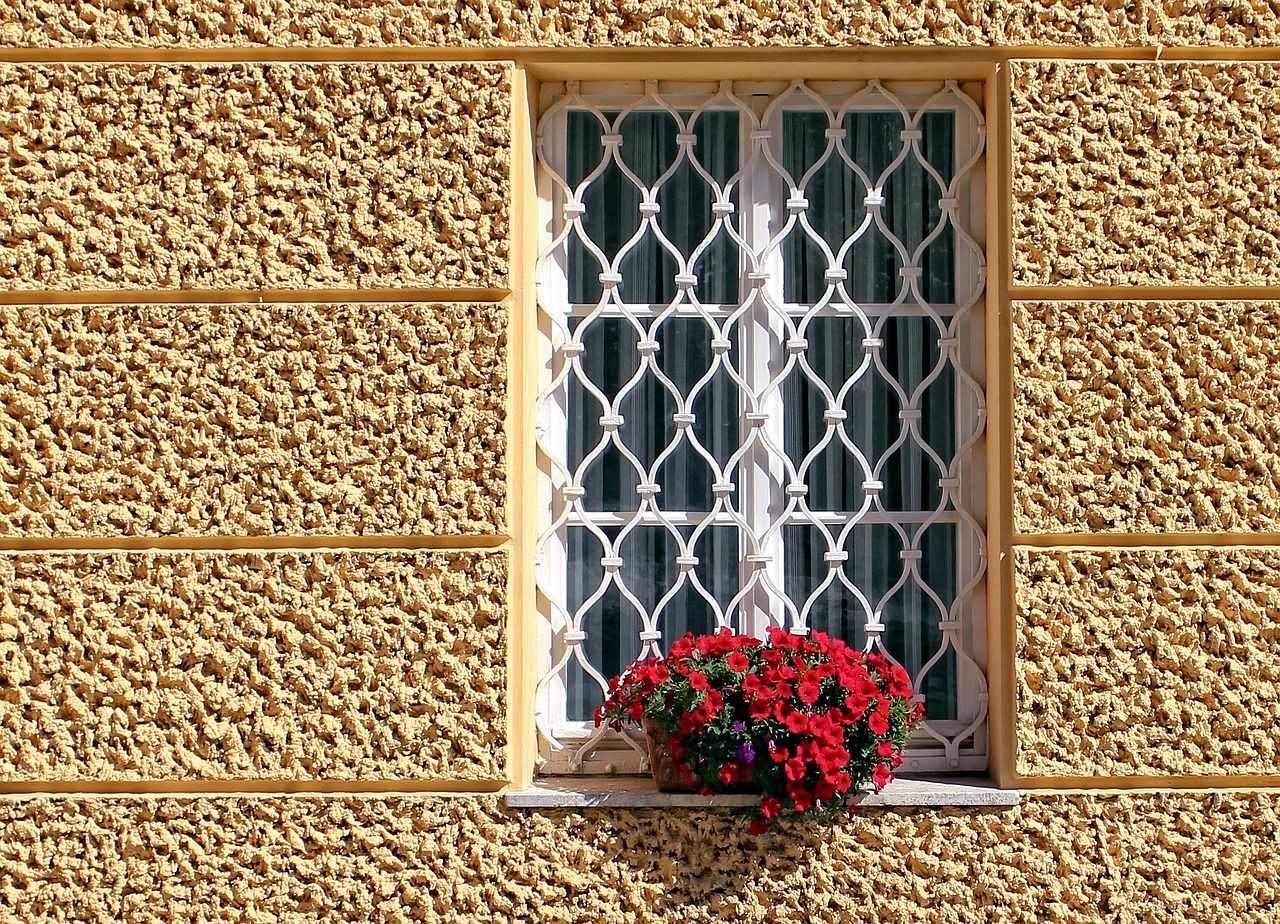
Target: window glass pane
[(837, 206), (650, 572), (649, 149), (910, 354), (637, 352), (609, 360), (874, 566)]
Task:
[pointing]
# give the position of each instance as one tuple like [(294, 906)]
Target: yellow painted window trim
[(523, 364)]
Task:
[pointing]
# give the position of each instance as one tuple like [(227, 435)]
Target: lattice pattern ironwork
[(762, 348)]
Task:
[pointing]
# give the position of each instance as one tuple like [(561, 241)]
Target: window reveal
[(760, 308)]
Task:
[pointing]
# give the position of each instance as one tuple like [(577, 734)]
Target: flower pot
[(670, 774)]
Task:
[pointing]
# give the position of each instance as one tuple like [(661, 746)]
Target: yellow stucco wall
[(641, 23), (254, 176), (1145, 174), (356, 665), (279, 420), (1135, 417), (265, 420), (1140, 662), (1091, 859)]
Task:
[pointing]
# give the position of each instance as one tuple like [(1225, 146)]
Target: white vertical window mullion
[(764, 338)]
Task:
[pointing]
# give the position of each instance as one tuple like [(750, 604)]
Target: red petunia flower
[(797, 722), (878, 721), (881, 776), (800, 797), (773, 699)]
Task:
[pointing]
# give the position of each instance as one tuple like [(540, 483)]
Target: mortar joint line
[(200, 789), (250, 544), (37, 298), (533, 56), (1142, 293), (1136, 541)]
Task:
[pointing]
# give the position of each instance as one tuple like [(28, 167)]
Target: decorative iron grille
[(760, 308)]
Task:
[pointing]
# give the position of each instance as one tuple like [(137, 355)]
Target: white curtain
[(835, 349)]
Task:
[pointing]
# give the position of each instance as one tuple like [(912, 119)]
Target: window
[(760, 308)]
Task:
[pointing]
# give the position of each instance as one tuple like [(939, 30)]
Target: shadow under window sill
[(642, 792)]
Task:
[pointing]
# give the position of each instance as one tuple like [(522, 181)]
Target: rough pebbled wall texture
[(1146, 417), (1145, 174), (252, 419), (689, 23), (243, 665), (1148, 662), (1104, 859), (254, 176)]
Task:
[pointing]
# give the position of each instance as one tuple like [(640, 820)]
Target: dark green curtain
[(610, 358), (836, 196), (835, 348)]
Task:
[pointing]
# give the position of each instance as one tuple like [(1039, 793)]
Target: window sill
[(641, 792)]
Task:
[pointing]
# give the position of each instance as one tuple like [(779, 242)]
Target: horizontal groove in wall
[(1030, 788), (247, 296), (541, 56), (1030, 785), (1143, 293), (249, 543), (1153, 541), (200, 788)]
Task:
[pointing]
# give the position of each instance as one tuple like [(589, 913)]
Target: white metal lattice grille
[(762, 402)]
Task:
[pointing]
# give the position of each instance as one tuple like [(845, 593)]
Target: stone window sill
[(641, 792)]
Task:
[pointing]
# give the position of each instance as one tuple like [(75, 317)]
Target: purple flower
[(739, 726), (746, 754)]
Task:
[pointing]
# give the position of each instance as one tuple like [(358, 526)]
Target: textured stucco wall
[(1121, 859), (244, 665), (679, 23), (246, 176), (1145, 174), (1146, 416), (1148, 662), (252, 419), (175, 668)]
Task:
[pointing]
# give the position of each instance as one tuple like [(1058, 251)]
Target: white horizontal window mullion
[(901, 517), (649, 518)]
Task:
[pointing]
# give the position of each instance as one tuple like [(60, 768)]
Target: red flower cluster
[(804, 718)]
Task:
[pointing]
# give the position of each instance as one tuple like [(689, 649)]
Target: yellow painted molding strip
[(536, 57), (1143, 293), (202, 788), (521, 458), (247, 296), (1154, 541), (1001, 621), (377, 296), (1030, 785), (250, 543)]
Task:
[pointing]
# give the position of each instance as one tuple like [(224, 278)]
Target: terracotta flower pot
[(668, 772)]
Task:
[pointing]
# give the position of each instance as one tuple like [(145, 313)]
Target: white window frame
[(577, 747)]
